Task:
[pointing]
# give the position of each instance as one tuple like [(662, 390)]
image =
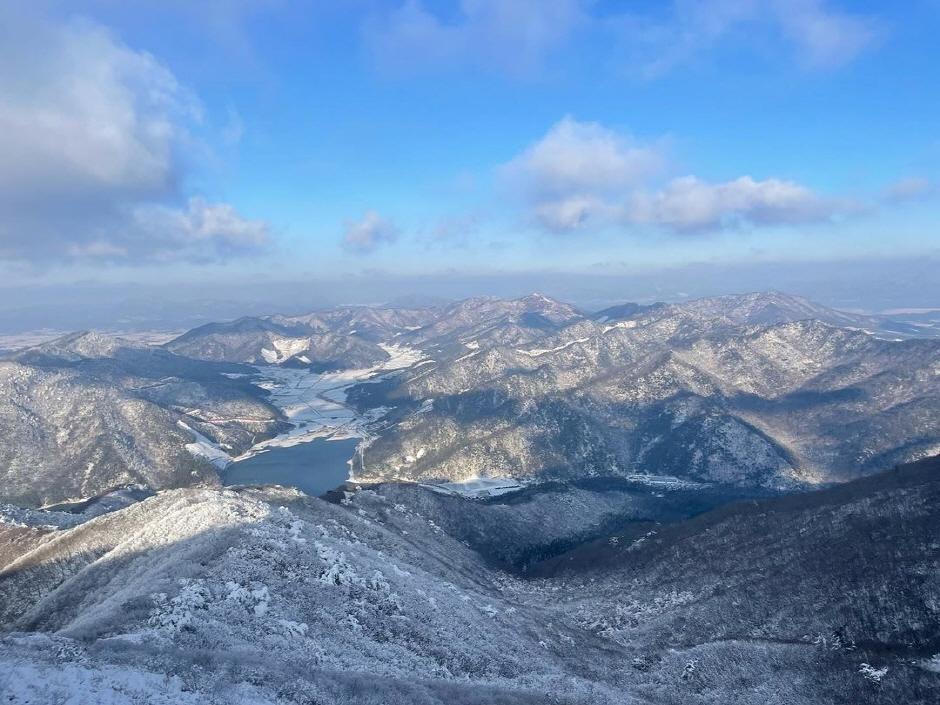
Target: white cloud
[(584, 175), (81, 112), (151, 233), (688, 204), (202, 230), (91, 134), (570, 175), (824, 37), (511, 35), (583, 157), (818, 35), (521, 36), (911, 188), (368, 233), (571, 212)]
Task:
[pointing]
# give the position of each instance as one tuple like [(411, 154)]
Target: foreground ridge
[(266, 595)]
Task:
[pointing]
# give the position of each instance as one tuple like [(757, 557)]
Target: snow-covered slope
[(757, 389), (707, 390), (254, 340), (340, 339), (80, 420), (488, 321), (265, 595), (301, 598)]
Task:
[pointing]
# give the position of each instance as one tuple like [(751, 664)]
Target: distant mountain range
[(760, 389), (757, 390), (351, 336)]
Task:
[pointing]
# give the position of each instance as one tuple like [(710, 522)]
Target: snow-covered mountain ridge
[(265, 595), (742, 390), (89, 414)]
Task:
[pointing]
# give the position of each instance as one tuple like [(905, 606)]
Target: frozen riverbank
[(316, 403)]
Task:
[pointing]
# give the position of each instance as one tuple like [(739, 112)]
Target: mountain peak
[(765, 308), (538, 297), (82, 344), (541, 302)]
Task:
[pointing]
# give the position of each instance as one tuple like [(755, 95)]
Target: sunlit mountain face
[(469, 351)]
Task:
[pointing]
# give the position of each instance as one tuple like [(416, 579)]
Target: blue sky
[(178, 141)]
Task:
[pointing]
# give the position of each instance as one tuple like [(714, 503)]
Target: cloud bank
[(584, 175), (911, 188), (92, 135)]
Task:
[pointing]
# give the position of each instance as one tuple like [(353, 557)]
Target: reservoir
[(315, 467)]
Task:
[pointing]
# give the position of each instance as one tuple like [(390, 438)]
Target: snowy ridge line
[(24, 518), (539, 352), (621, 324), (468, 355)]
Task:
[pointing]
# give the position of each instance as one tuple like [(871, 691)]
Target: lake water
[(315, 467)]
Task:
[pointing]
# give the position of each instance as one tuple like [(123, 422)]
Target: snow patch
[(538, 352), (269, 356), (315, 403), (202, 447), (621, 324), (476, 488)]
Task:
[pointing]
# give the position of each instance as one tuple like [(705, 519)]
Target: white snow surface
[(283, 598), (31, 672), (538, 352), (621, 324), (203, 447), (477, 488), (316, 402)]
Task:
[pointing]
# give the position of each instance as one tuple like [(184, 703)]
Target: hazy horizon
[(870, 286)]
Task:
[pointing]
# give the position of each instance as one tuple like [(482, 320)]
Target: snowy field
[(477, 488), (316, 403), (204, 447), (668, 481)]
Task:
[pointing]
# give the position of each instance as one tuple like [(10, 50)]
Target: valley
[(516, 501), (469, 352), (487, 395)]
